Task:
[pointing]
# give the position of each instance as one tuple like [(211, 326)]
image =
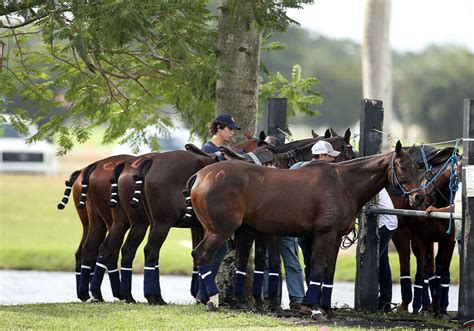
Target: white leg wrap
[(215, 300)]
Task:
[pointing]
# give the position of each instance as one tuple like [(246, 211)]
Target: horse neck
[(365, 177)]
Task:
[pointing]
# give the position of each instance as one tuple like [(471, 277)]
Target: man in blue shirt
[(222, 129)]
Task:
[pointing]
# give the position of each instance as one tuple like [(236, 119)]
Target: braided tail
[(85, 185), (139, 182), (114, 185), (67, 191), (187, 196)]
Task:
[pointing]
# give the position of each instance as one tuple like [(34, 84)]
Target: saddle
[(194, 149)]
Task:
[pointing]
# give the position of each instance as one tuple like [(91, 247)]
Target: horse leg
[(328, 283), (96, 234), (421, 287), (129, 249), (78, 254), (274, 273), (447, 248), (306, 244), (432, 281), (151, 276), (401, 240), (108, 255), (244, 238), (197, 236), (259, 269), (203, 253)]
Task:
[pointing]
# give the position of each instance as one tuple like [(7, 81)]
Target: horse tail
[(67, 191), (187, 196), (139, 182), (114, 184), (85, 184)]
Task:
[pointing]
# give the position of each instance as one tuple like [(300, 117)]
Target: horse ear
[(347, 136), (398, 147), (333, 133), (262, 135), (248, 135), (327, 134), (315, 135)]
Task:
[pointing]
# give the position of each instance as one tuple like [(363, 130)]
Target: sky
[(415, 24)]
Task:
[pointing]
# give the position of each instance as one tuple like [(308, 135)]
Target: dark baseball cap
[(228, 120)]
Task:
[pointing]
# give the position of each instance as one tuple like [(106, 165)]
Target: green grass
[(123, 316), (35, 235)]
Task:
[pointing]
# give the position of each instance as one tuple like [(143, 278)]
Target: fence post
[(274, 118), (367, 276), (466, 274)]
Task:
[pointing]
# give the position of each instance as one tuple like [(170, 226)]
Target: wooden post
[(274, 118), (466, 274), (367, 275)]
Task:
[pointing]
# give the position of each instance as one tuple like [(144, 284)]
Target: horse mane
[(293, 145), (442, 155)]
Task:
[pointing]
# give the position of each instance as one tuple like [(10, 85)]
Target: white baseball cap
[(323, 147)]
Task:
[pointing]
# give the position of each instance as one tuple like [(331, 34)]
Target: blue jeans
[(293, 271), (385, 274), (306, 245)]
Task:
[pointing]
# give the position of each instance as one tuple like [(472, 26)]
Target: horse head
[(403, 174), (343, 145), (437, 192)]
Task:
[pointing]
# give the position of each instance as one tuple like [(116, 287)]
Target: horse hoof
[(84, 296), (151, 300), (96, 296), (318, 315), (211, 306), (160, 301), (128, 298), (94, 300)]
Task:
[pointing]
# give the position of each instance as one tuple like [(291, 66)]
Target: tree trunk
[(377, 60), (238, 57)]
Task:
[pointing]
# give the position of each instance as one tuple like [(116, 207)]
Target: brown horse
[(421, 233), (282, 157), (320, 200), (93, 182)]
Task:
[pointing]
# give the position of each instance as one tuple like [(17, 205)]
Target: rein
[(453, 181)]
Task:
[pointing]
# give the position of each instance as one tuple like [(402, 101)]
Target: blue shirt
[(211, 148)]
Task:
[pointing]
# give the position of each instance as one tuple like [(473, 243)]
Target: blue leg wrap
[(202, 295), (85, 276), (149, 279), (195, 282), (313, 294), (405, 284), (426, 293), (157, 280), (433, 288), (126, 278), (208, 280), (445, 292), (99, 273), (257, 283), (273, 282), (78, 278), (114, 278), (326, 294), (239, 281), (418, 295)]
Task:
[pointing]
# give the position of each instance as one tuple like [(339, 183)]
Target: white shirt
[(390, 221), (458, 208)]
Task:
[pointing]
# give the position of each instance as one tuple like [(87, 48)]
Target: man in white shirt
[(387, 226)]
